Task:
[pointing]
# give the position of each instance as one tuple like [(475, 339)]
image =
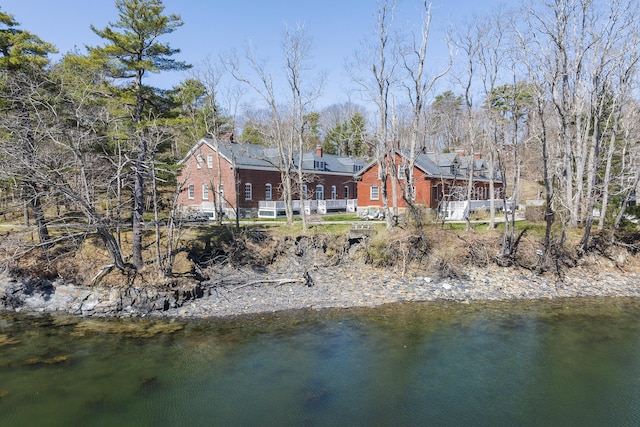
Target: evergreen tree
[(252, 135), (347, 138), (312, 130), (131, 51)]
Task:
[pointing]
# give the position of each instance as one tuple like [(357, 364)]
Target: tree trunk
[(38, 215), (138, 204), (491, 172), (156, 222), (625, 203), (606, 181), (111, 245), (467, 217)]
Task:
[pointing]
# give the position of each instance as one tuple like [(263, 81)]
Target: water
[(560, 363)]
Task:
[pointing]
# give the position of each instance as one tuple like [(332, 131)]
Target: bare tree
[(374, 72), (418, 86), (68, 121), (219, 130), (20, 90), (286, 123), (296, 46), (23, 58), (626, 184), (492, 55), (277, 132), (536, 60), (614, 62)]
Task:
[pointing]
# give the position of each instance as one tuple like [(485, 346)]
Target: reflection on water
[(518, 363)]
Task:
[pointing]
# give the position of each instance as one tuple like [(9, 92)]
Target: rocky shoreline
[(238, 292)]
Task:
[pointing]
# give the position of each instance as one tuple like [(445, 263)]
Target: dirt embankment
[(259, 271)]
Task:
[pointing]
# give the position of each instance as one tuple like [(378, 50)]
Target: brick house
[(228, 175), (437, 176)]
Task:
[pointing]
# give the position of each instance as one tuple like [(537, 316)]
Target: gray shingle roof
[(449, 165), (250, 155)]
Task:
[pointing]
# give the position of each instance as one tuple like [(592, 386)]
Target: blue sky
[(214, 27)]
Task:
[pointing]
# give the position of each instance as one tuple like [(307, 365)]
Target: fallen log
[(276, 281)]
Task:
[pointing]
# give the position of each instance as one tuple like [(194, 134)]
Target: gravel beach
[(343, 287), (238, 292)]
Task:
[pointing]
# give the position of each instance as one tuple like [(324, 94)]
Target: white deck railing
[(457, 210), (274, 209), (345, 205)]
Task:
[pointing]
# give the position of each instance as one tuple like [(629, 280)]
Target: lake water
[(562, 363)]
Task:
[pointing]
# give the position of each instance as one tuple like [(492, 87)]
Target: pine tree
[(131, 51)]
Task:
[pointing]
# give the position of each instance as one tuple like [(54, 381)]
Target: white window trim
[(346, 192), (248, 191), (268, 191), (320, 191), (191, 192), (377, 192), (199, 161), (210, 161), (205, 191), (334, 192)]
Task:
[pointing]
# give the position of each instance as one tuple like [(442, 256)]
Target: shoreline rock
[(242, 292)]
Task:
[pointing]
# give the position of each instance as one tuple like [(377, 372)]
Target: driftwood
[(306, 279), (103, 271)]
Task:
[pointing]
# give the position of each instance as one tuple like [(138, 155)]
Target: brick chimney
[(319, 150)]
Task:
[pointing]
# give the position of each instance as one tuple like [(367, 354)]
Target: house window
[(205, 191), (319, 192), (304, 191), (402, 172), (268, 192), (248, 191), (319, 165), (334, 192), (346, 191), (374, 192), (199, 161), (357, 168), (210, 161), (191, 192)]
